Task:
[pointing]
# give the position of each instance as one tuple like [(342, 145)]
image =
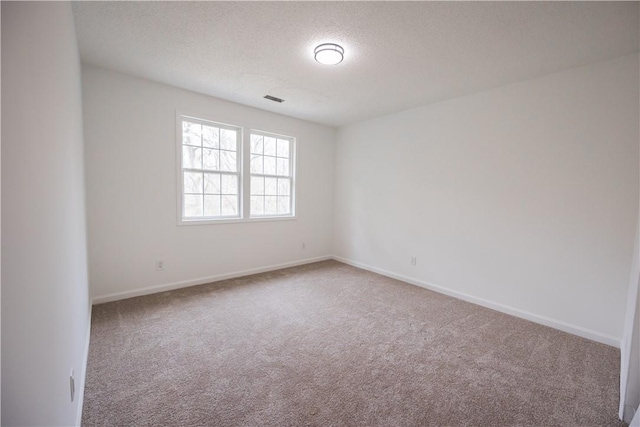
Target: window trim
[(244, 174)]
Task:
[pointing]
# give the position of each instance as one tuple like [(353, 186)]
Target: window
[(211, 184), (271, 175), (210, 170)]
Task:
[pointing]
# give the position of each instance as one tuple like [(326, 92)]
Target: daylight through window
[(271, 177), (211, 182), (210, 174)]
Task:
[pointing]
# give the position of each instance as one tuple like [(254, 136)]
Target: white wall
[(45, 303), (0, 231), (131, 189), (630, 402), (630, 342), (524, 196)]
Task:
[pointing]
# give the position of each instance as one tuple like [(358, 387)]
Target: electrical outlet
[(159, 265), (414, 260), (72, 385)]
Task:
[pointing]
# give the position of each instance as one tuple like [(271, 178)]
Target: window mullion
[(244, 167), (271, 176)]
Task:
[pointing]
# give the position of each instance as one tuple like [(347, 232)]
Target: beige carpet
[(330, 345)]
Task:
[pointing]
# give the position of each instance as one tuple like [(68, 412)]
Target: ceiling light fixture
[(329, 54)]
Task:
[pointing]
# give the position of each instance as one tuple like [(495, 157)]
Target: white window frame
[(292, 176), (244, 173), (180, 170)]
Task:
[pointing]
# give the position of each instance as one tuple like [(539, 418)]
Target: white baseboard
[(546, 321), (543, 320), (202, 280), (83, 375)]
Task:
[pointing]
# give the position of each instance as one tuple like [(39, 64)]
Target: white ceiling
[(398, 55)]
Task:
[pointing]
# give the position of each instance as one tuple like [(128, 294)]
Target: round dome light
[(329, 54)]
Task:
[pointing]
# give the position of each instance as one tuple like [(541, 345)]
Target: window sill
[(235, 220)]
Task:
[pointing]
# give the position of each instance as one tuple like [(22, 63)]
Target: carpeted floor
[(327, 344)]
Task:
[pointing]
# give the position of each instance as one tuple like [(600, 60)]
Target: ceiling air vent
[(273, 98)]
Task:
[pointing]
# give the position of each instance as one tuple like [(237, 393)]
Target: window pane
[(229, 205), (283, 148), (283, 205), (257, 205), (283, 167), (211, 159), (212, 189), (270, 205), (256, 144), (270, 186), (191, 157), (269, 165), (257, 185), (228, 161), (192, 182), (284, 187), (210, 137), (192, 206), (228, 139), (212, 205), (269, 146), (256, 164), (229, 184), (192, 133), (212, 183)]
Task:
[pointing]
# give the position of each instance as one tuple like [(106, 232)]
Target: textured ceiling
[(398, 55)]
